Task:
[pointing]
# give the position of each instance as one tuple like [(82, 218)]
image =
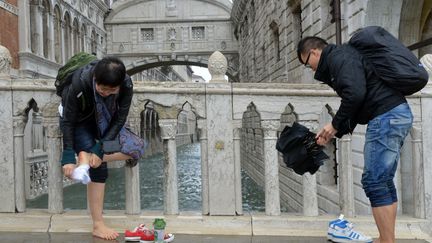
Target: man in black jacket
[(103, 80), (365, 99)]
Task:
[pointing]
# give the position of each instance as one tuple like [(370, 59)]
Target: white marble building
[(51, 31)]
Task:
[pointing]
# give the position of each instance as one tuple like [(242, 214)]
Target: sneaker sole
[(345, 240), (133, 238), (170, 239)]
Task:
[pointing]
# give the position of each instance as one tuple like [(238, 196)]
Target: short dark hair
[(110, 71), (308, 43)]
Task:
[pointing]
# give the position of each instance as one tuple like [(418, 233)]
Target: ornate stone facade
[(51, 31)]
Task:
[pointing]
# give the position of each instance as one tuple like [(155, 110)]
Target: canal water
[(151, 180)]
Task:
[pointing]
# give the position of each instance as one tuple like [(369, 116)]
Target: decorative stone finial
[(5, 60), (217, 66), (426, 60)]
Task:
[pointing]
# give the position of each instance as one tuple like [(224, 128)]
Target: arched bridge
[(149, 33)]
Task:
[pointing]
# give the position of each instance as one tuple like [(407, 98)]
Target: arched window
[(57, 35), (45, 28), (93, 42), (83, 37), (67, 35), (76, 42)]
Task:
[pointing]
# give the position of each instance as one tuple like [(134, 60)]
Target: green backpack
[(64, 75)]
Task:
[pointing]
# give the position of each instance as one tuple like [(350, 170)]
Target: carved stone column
[(169, 130), (19, 126), (37, 37), (237, 167), (55, 175), (271, 167), (23, 25), (346, 183), (202, 126), (51, 41)]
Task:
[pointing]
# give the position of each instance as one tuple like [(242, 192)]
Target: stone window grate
[(147, 34), (198, 33)]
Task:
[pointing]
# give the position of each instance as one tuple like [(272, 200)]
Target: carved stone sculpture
[(5, 60), (217, 66)]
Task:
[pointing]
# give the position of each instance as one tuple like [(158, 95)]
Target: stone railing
[(220, 109)]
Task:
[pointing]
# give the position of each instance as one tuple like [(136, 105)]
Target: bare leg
[(95, 195), (385, 219), (115, 157)]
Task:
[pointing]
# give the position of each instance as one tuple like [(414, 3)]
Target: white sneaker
[(343, 232), (331, 226), (81, 174)]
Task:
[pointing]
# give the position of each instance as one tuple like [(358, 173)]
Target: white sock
[(81, 174)]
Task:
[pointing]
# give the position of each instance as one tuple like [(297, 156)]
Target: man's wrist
[(68, 157)]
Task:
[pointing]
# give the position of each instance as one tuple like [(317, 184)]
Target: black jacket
[(79, 105), (300, 150), (364, 96)]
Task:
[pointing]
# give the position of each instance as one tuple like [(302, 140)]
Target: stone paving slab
[(256, 227), (8, 237)]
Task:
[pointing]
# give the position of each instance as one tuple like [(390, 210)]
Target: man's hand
[(95, 161), (326, 134), (68, 169)]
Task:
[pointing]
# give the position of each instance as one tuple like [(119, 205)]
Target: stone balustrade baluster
[(202, 126), (237, 167), (346, 183), (132, 180), (426, 104), (418, 172), (168, 132), (19, 123), (55, 174), (271, 167)]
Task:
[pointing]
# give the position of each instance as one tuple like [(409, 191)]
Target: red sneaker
[(148, 237), (135, 235)]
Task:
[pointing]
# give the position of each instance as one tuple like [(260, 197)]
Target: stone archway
[(137, 66)]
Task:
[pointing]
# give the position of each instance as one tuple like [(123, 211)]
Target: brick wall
[(9, 32)]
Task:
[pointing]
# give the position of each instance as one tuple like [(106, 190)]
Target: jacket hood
[(323, 70)]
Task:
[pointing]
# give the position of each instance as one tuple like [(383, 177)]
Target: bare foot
[(376, 241), (101, 231)]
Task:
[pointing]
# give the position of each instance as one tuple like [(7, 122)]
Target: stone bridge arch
[(138, 65)]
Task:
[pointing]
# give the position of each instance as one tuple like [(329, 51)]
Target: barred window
[(147, 34), (198, 33)]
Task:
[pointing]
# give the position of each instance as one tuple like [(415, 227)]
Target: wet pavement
[(20, 237)]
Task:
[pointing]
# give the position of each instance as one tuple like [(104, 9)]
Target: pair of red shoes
[(144, 235)]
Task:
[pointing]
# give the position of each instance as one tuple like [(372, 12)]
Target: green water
[(151, 180)]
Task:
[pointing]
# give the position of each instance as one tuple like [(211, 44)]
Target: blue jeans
[(384, 138)]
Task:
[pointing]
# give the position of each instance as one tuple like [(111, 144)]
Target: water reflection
[(151, 180)]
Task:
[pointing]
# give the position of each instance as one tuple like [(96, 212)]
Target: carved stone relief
[(172, 34), (5, 60)]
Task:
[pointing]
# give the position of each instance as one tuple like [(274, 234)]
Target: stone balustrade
[(234, 119)]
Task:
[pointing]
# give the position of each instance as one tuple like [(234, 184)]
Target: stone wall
[(268, 31)]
